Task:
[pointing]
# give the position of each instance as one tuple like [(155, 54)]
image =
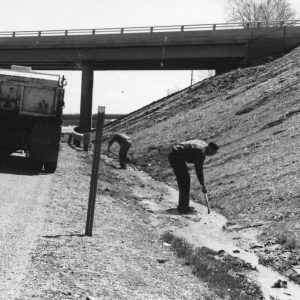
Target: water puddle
[(207, 230), (209, 233)]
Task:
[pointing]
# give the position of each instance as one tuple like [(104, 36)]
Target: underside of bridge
[(215, 63)]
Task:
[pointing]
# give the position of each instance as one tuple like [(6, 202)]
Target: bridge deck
[(206, 46)]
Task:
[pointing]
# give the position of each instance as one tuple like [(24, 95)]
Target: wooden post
[(95, 171)]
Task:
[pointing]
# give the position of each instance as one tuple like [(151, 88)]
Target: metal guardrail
[(151, 29)]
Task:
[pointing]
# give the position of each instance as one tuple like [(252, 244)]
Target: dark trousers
[(124, 147), (183, 179)]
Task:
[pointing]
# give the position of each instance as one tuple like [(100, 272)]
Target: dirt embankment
[(254, 116)]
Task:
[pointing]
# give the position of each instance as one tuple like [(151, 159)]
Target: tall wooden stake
[(95, 171)]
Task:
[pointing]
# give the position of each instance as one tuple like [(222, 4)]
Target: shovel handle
[(207, 203)]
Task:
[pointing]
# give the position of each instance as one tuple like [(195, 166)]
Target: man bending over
[(124, 142), (193, 151)]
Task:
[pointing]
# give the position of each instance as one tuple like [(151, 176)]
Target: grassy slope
[(254, 116)]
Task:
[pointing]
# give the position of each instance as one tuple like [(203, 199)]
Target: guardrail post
[(214, 27), (182, 28), (86, 139), (95, 171), (122, 30), (70, 139)]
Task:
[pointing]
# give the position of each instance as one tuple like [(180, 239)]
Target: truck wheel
[(50, 166)]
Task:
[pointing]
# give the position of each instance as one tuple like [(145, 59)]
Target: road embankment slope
[(253, 114)]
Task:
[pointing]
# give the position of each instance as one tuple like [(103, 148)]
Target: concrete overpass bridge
[(221, 47)]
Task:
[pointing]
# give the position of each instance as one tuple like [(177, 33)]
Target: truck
[(31, 109)]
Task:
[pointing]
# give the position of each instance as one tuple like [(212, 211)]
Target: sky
[(118, 91)]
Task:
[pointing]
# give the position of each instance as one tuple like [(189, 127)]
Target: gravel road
[(45, 255), (23, 198)]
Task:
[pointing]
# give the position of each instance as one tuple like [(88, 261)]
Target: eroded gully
[(203, 229)]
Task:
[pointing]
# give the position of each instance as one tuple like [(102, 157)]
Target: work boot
[(186, 210)]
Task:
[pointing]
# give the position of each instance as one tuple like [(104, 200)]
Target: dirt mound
[(253, 115)]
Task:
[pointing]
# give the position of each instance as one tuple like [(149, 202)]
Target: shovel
[(207, 203)]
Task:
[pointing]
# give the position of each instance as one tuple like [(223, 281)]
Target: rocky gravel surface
[(125, 257)]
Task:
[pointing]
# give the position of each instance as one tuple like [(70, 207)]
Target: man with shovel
[(193, 151), (124, 142)]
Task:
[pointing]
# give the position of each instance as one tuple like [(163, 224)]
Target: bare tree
[(265, 13)]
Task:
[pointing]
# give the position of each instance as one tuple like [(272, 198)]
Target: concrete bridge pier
[(86, 102)]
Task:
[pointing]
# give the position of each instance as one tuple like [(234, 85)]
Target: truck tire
[(50, 166)]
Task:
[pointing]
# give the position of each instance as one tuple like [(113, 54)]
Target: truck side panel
[(9, 96), (38, 101)]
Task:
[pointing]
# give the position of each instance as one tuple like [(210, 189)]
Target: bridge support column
[(87, 83)]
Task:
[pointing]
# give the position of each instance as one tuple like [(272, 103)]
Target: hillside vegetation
[(253, 114)]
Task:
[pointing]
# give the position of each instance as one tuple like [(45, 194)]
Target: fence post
[(95, 171)]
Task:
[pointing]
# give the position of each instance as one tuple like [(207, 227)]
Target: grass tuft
[(288, 240), (221, 273)]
